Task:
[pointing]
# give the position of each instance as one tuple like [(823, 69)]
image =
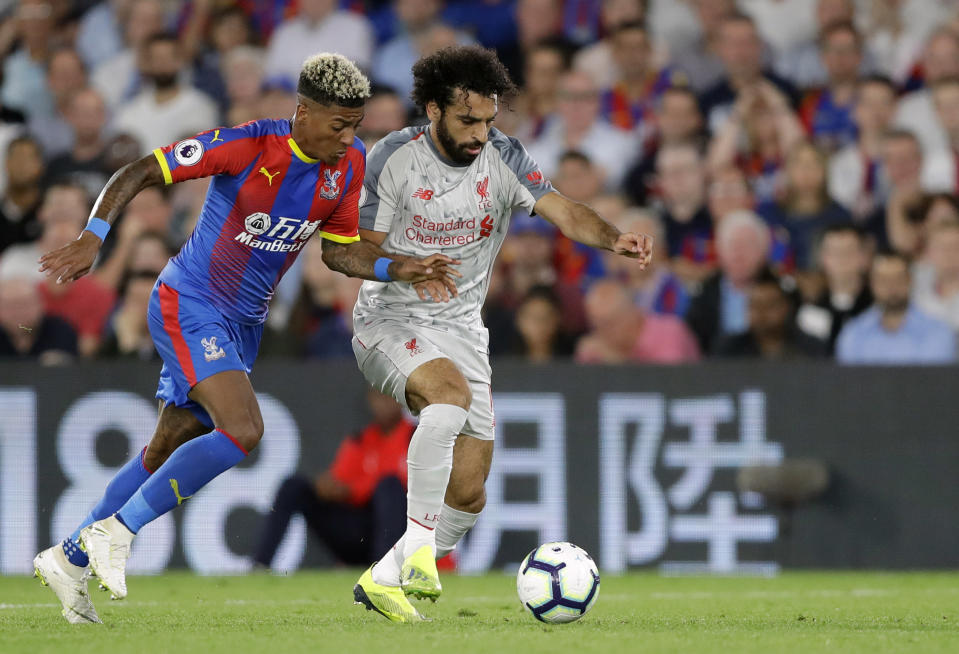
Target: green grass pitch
[(313, 612)]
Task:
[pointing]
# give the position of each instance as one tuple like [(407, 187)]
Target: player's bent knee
[(475, 506), (246, 434), (451, 393), (460, 397), (155, 456), (251, 430), (250, 440), (258, 427), (454, 391), (470, 500)]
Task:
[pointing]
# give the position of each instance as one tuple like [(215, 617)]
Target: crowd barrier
[(636, 464)]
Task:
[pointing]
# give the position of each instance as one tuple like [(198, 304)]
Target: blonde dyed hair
[(330, 78)]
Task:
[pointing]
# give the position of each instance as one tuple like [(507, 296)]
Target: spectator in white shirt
[(117, 78), (783, 24), (804, 65), (700, 60), (577, 126), (855, 177), (420, 23), (23, 81), (935, 281), (597, 59), (98, 32), (898, 29), (544, 66), (65, 76), (940, 60), (672, 24), (909, 178), (166, 110), (242, 70), (741, 52), (319, 26), (943, 162)]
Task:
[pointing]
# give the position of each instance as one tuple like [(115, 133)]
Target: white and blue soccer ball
[(558, 582)]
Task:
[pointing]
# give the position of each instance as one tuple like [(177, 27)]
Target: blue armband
[(99, 227), (382, 269)]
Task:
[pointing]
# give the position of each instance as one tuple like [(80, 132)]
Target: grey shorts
[(388, 352)]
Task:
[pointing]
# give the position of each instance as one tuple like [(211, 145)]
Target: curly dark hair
[(470, 68)]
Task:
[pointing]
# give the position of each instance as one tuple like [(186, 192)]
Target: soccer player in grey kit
[(449, 187)]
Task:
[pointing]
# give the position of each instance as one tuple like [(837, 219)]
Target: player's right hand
[(73, 260), (432, 277)]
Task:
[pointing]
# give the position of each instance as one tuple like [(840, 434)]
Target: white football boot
[(107, 543), (69, 582)]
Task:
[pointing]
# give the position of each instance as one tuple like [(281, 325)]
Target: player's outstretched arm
[(361, 259), (580, 223), (76, 258)]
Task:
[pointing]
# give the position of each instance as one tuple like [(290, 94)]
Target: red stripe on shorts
[(170, 309)]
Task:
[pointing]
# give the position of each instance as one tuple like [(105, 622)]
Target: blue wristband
[(99, 227), (382, 269)]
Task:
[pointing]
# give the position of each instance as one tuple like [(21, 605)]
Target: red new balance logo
[(423, 194), (413, 347), (486, 227), (535, 177)]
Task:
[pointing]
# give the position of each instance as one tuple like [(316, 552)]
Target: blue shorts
[(196, 341)]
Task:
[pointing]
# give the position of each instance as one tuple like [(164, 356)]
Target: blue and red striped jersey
[(266, 199)]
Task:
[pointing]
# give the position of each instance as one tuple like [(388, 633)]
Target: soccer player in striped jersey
[(451, 187), (276, 184)]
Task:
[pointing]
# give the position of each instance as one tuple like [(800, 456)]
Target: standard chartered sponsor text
[(429, 232)]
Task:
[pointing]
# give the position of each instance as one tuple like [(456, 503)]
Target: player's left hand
[(73, 260), (635, 246), (435, 290)]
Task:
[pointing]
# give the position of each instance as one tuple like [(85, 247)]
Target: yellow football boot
[(388, 601), (418, 576)]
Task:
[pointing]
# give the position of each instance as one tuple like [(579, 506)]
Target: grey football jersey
[(427, 205)]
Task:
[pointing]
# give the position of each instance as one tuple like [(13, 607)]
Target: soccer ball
[(558, 582)]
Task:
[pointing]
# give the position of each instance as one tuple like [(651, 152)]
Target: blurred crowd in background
[(796, 161)]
